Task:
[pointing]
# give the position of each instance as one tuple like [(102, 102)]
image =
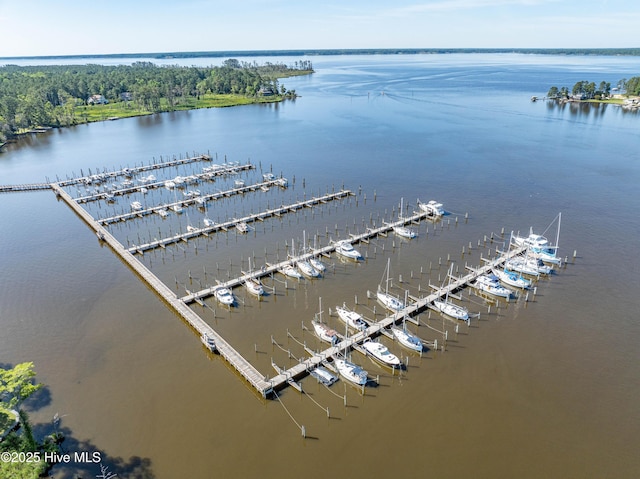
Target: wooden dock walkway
[(25, 187), (269, 269), (161, 243), (304, 367), (188, 201), (131, 171), (210, 175), (246, 369)]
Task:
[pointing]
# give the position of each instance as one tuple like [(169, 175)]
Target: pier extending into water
[(246, 369)]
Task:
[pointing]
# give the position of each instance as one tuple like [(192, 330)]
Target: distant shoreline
[(348, 51)]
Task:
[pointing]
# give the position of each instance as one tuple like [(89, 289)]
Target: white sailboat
[(253, 285), (350, 371), (539, 246), (450, 309), (388, 300), (512, 278), (406, 339), (401, 230)]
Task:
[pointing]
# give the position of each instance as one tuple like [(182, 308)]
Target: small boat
[(239, 183), (433, 208), (178, 181), (162, 213), (200, 201), (351, 372), (191, 229), (254, 286), (109, 198), (528, 265), (307, 269), (208, 223), (264, 188), (346, 249), (489, 283), (452, 310), (388, 300), (144, 190), (242, 227), (282, 182), (351, 318), (208, 342), (325, 333), (323, 376), (224, 296), (381, 353), (176, 208), (169, 184), (317, 264), (404, 232), (136, 206), (291, 271), (407, 339), (268, 177), (539, 246), (512, 278)]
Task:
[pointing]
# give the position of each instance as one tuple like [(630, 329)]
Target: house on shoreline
[(97, 100)]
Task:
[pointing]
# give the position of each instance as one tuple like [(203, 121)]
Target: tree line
[(586, 90), (47, 96)]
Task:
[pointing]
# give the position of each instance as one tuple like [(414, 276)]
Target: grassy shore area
[(124, 109)]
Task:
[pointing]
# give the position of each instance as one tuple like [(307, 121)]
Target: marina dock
[(180, 305), (246, 369)]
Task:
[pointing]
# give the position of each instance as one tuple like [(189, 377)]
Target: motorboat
[(177, 208), (224, 296), (325, 333), (208, 342), (323, 376), (242, 227), (432, 208), (268, 177), (407, 339), (239, 183), (291, 271), (539, 246), (381, 353), (254, 286), (169, 184), (489, 283), (162, 213), (307, 269), (282, 182), (208, 223), (136, 206), (512, 278), (351, 318), (191, 229), (346, 249), (351, 372)]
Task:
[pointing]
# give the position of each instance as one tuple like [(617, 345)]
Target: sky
[(81, 27)]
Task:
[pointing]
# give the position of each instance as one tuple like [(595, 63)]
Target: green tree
[(17, 384), (553, 92)]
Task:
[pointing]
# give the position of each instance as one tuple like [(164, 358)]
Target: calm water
[(546, 388)]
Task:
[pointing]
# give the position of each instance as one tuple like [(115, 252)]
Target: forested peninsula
[(37, 97)]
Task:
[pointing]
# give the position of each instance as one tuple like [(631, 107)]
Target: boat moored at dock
[(351, 318), (351, 372), (408, 340), (381, 353)]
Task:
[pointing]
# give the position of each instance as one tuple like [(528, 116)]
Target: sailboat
[(388, 300), (406, 339), (350, 371), (539, 246), (512, 278), (402, 230), (305, 266), (323, 331), (253, 285), (450, 309)]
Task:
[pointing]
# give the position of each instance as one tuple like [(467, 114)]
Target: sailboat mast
[(558, 232)]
